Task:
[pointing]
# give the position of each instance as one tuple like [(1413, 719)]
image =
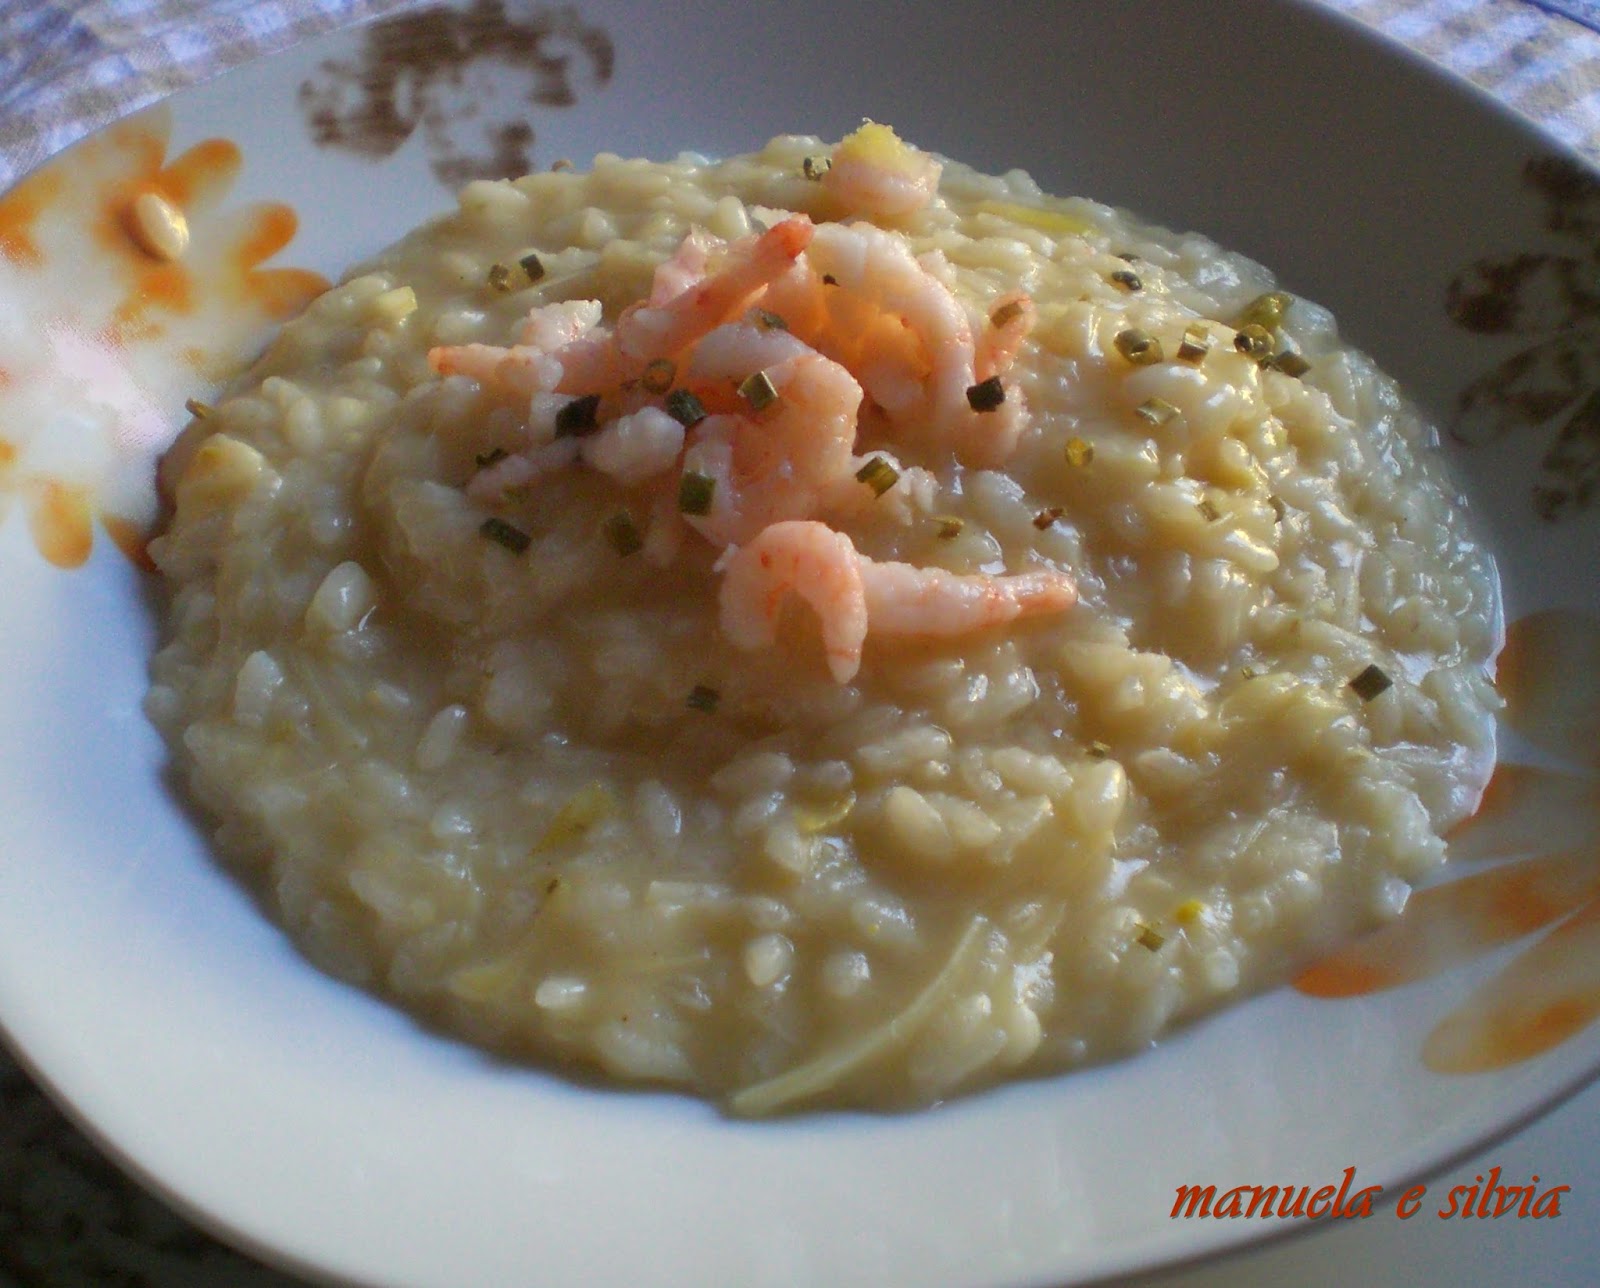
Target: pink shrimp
[(852, 594), (866, 301), (532, 365), (873, 173), (664, 330), (776, 463), (1011, 319), (816, 563)]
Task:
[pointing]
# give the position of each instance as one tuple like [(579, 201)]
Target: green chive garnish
[(816, 167), (1278, 509), (766, 320), (695, 492), (1289, 362), (1253, 339), (1196, 343), (1155, 411), (986, 395), (623, 534), (1127, 280), (949, 528), (500, 276), (1208, 511), (685, 408), (1079, 453), (578, 417), (492, 457), (758, 390), (532, 265), (659, 375), (513, 539), (703, 698), (1007, 312), (1370, 683), (1149, 937), (1139, 347), (879, 475), (1098, 750)]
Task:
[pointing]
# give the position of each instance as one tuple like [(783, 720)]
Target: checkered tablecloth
[(69, 66)]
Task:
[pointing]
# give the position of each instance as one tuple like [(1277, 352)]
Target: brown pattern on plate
[(443, 70), (1552, 297)]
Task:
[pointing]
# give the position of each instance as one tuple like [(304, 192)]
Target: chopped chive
[(1008, 312), (500, 277), (1370, 683), (695, 493), (1127, 280), (703, 698), (949, 527), (199, 410), (1208, 511), (1289, 362), (685, 408), (659, 375), (986, 395), (579, 417), (766, 320), (492, 457), (1249, 672), (1127, 257), (560, 164), (1253, 339), (828, 279), (532, 265), (1045, 518), (512, 538), (1155, 411), (1098, 750), (1266, 311), (1196, 343), (758, 390), (1139, 347), (1278, 509), (816, 167), (1149, 937), (879, 475), (623, 534), (1079, 453)]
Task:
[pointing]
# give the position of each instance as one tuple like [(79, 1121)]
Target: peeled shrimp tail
[(668, 329), (1011, 318), (905, 600), (814, 562), (852, 594)]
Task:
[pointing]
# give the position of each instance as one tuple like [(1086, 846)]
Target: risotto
[(825, 627)]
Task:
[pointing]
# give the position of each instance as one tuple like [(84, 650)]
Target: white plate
[(323, 1130)]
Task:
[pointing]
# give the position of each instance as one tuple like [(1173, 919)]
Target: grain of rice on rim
[(472, 781)]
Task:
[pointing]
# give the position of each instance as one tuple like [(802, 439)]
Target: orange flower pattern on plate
[(102, 342), (1545, 823)]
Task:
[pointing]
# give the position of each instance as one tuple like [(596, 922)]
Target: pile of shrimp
[(747, 373)]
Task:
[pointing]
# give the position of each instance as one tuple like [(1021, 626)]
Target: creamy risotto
[(822, 627)]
